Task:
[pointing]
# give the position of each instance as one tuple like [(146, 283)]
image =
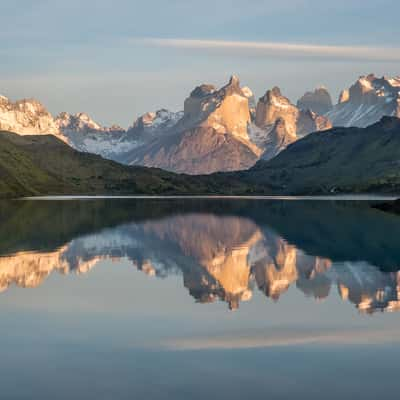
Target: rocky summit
[(278, 123), (274, 105), (318, 101), (367, 101), (211, 136), (26, 117), (84, 134)]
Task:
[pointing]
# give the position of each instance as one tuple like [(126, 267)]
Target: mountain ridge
[(367, 101), (181, 141), (219, 130)]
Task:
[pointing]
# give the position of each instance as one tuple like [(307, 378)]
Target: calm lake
[(157, 298)]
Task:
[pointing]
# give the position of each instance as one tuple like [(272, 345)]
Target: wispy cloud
[(350, 337), (372, 53)]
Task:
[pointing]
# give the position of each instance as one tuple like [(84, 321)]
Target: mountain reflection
[(223, 251)]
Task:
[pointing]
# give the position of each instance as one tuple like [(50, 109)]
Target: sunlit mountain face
[(221, 251)]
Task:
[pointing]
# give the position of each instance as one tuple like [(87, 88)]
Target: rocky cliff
[(211, 136), (278, 123), (318, 101)]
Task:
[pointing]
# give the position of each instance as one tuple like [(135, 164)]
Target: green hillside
[(339, 160), (34, 165)]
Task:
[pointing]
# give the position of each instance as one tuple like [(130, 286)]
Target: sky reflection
[(130, 298)]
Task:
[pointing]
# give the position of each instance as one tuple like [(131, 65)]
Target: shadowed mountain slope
[(350, 160)]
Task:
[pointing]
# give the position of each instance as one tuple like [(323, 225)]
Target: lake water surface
[(154, 298)]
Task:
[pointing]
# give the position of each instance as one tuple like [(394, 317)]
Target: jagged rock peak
[(366, 80), (362, 86), (31, 105), (276, 91), (274, 97), (80, 122), (26, 117), (282, 122), (272, 106), (203, 90), (367, 100), (268, 94), (234, 80), (226, 110), (71, 124), (369, 88), (145, 120), (344, 96), (212, 135), (319, 101), (162, 117), (233, 87)]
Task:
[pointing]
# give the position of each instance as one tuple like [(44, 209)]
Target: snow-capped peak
[(26, 117), (160, 118), (365, 82), (367, 101), (79, 122), (164, 116)]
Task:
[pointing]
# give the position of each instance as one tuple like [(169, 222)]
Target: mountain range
[(281, 148), (221, 129)]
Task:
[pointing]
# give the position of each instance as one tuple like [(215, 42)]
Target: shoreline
[(348, 197)]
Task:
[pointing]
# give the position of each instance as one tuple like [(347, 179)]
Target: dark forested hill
[(339, 160)]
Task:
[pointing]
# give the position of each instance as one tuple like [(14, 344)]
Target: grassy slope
[(33, 165), (19, 174)]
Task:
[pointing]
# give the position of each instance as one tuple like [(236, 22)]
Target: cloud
[(371, 53), (347, 337)]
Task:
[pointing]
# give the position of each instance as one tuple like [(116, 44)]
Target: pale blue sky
[(96, 56)]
